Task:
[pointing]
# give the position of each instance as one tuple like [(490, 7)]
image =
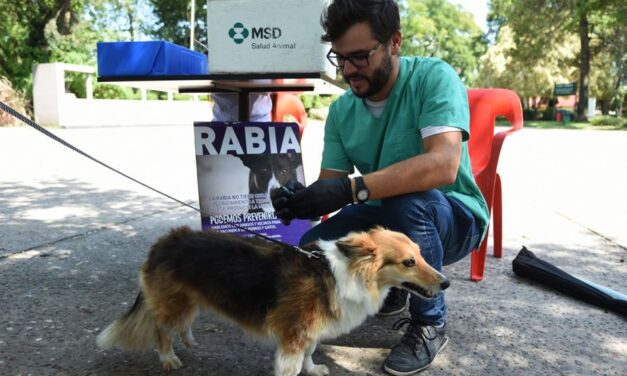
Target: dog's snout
[(445, 284)]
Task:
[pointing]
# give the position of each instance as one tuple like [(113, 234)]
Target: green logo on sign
[(238, 33)]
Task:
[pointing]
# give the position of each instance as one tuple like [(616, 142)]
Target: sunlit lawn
[(548, 124)]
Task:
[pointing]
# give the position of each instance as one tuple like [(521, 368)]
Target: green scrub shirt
[(427, 92)]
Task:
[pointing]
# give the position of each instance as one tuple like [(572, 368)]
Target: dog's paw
[(171, 363), (188, 338), (318, 370), (190, 343)]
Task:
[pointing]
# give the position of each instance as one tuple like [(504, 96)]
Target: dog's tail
[(136, 330)]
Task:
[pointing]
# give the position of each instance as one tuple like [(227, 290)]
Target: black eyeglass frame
[(365, 58)]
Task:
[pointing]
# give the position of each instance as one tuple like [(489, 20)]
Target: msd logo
[(238, 33)]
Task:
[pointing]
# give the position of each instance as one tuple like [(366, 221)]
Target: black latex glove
[(322, 197), (280, 200)]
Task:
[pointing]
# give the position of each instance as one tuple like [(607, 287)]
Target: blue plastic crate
[(150, 58)]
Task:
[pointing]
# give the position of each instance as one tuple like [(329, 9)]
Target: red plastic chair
[(286, 105), (484, 148)]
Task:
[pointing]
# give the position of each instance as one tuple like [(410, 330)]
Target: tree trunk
[(65, 17), (584, 67), (128, 9), (605, 107), (617, 97)]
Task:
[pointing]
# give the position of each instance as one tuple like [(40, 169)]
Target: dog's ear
[(356, 245), (376, 230), (344, 247)]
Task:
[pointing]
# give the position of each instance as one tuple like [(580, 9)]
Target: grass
[(548, 124)]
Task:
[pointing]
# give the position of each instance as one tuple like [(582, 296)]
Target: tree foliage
[(539, 26), (537, 43), (120, 19), (441, 29), (66, 31), (23, 39), (174, 18), (501, 68)]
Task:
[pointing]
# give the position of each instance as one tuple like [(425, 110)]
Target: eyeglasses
[(358, 61)]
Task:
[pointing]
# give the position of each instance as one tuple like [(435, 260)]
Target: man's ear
[(395, 43)]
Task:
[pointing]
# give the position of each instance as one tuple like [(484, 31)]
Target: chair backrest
[(485, 106)]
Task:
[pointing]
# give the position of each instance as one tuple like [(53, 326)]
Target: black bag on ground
[(527, 265)]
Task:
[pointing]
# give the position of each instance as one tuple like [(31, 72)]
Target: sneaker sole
[(399, 373), (400, 310)]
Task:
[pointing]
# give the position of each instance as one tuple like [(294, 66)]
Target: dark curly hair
[(382, 16)]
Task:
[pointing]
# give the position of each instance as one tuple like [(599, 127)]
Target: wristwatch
[(361, 191)]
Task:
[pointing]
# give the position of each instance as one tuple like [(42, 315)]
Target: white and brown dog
[(268, 290)]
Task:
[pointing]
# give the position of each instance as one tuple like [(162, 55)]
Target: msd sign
[(238, 33), (266, 36)]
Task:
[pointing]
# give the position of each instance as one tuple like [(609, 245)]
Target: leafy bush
[(307, 100), (108, 91), (549, 113), (103, 91), (617, 122), (75, 83), (531, 114), (11, 98), (316, 101)]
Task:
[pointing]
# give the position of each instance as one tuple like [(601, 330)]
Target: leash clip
[(314, 254)]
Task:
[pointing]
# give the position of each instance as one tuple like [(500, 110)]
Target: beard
[(379, 78)]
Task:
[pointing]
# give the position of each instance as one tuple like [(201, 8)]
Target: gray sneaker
[(395, 303), (417, 349)]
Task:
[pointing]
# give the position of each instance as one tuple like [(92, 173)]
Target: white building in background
[(54, 107)]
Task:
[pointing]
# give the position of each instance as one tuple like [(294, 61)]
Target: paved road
[(72, 236)]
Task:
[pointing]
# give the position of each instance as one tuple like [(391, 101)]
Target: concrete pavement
[(72, 236)]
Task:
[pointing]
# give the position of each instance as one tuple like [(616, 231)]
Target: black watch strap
[(361, 191)]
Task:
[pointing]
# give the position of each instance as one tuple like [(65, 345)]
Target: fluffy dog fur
[(268, 290)]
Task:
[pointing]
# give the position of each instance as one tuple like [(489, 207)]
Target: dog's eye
[(410, 263)]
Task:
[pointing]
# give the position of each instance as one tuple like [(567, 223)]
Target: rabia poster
[(238, 164)]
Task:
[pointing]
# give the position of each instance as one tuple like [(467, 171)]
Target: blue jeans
[(442, 226)]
